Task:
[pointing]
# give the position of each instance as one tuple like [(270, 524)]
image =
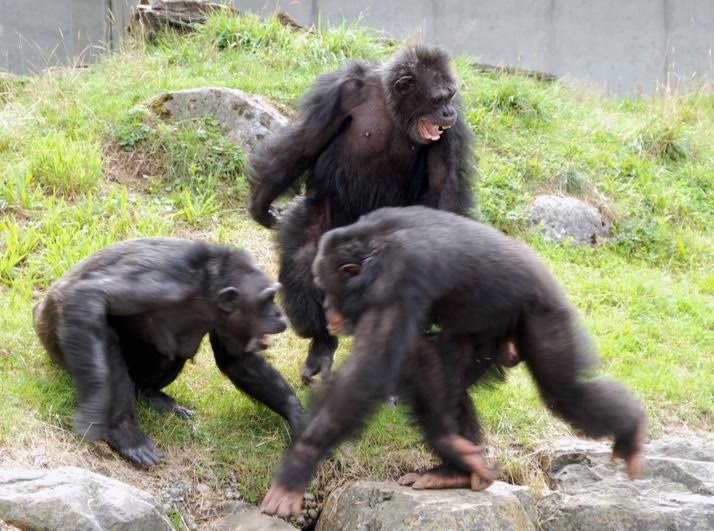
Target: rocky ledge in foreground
[(676, 490), (370, 505), (589, 493), (73, 498)]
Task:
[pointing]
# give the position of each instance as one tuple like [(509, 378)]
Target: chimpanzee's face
[(427, 96), (250, 311), (339, 273)]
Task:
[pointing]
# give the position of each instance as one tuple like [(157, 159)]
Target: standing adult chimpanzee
[(367, 136), (398, 272), (128, 317)]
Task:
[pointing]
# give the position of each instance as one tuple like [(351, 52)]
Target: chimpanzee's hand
[(281, 501)]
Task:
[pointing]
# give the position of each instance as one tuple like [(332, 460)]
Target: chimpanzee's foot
[(319, 359), (437, 478), (132, 443), (481, 475), (444, 477), (163, 403)]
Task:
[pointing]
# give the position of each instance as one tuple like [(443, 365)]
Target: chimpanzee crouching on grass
[(127, 318), (398, 272)]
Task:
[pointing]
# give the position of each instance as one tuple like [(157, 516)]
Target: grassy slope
[(647, 296)]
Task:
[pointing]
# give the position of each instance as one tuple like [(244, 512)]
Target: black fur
[(128, 317), (414, 269), (356, 142)]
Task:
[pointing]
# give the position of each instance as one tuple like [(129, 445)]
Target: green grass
[(647, 295)]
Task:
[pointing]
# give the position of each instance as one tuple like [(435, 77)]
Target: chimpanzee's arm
[(366, 378), (451, 170), (252, 374), (282, 158)]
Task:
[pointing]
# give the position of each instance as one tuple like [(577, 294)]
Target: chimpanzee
[(430, 297), (128, 317), (367, 136)]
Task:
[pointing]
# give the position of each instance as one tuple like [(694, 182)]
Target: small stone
[(559, 218), (300, 520), (309, 496), (312, 513)]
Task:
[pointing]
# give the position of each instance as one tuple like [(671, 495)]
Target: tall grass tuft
[(64, 165), (666, 139)]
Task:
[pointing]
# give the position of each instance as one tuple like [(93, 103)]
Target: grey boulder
[(246, 118), (559, 218), (366, 505), (676, 490), (73, 498)]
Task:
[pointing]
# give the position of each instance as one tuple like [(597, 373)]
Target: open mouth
[(429, 130), (263, 341)]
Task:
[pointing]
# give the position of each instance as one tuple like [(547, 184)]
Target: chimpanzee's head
[(246, 303), (349, 269), (420, 88)]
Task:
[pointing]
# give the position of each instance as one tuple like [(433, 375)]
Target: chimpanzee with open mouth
[(366, 136)]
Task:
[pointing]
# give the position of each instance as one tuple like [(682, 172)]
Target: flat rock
[(366, 505), (559, 218), (246, 118), (676, 490), (73, 498), (246, 517)]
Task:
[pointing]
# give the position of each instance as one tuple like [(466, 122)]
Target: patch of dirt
[(130, 168)]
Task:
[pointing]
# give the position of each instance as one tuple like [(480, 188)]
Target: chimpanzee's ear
[(403, 85), (228, 299), (348, 271)]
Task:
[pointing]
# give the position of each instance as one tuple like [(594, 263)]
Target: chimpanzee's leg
[(559, 354), (150, 370), (149, 390), (252, 374), (436, 387), (298, 235)]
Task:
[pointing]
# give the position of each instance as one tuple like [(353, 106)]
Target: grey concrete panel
[(625, 45), (613, 42), (509, 32), (689, 27), (302, 11)]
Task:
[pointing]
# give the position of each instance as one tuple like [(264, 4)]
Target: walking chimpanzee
[(430, 297)]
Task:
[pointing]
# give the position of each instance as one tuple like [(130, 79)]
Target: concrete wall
[(625, 45), (35, 34)]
